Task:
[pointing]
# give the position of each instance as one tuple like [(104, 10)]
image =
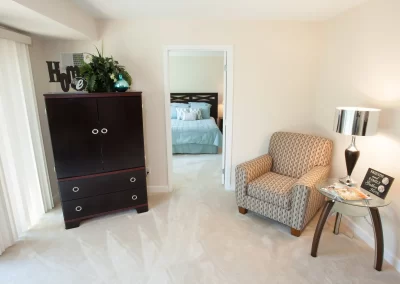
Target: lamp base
[(351, 155), (347, 180)]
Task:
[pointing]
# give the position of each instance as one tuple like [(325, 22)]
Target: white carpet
[(193, 235)]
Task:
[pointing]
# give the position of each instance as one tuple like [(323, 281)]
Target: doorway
[(196, 90)]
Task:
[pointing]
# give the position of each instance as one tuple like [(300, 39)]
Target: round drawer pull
[(104, 130), (133, 179), (78, 208), (134, 197), (95, 131), (75, 189)]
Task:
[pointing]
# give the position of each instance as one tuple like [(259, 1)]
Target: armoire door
[(75, 136), (122, 132)]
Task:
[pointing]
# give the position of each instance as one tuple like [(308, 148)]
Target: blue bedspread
[(204, 131)]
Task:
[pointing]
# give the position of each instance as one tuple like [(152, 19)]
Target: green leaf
[(91, 83), (98, 51), (97, 73)]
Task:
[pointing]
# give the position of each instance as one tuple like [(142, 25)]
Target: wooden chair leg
[(242, 210), (295, 232)]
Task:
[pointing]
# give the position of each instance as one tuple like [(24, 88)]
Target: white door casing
[(228, 107), (223, 116)]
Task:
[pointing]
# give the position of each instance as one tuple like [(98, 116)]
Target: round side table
[(371, 205)]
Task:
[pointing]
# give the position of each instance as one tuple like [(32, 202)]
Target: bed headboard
[(211, 98)]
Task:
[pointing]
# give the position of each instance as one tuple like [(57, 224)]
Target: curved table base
[(377, 224), (321, 222), (379, 248), (337, 223)]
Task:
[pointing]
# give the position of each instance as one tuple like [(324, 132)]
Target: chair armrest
[(313, 177), (306, 199), (249, 171)]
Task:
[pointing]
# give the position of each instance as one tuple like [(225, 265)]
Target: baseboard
[(56, 199), (158, 188), (360, 233), (231, 187)]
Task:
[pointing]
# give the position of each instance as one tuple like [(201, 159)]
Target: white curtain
[(25, 193)]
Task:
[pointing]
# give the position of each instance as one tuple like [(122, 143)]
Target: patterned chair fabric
[(247, 172), (295, 154), (282, 184), (272, 188)]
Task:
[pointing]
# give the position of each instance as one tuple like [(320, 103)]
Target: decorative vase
[(121, 85)]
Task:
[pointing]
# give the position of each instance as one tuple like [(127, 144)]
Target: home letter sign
[(71, 78)]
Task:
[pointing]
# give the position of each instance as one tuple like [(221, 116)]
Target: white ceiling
[(216, 9), (40, 17), (21, 18)]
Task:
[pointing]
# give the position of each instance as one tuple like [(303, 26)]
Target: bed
[(198, 136)]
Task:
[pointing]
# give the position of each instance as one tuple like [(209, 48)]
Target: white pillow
[(197, 111), (180, 111), (189, 116)]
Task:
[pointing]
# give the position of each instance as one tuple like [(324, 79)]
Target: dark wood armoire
[(98, 151)]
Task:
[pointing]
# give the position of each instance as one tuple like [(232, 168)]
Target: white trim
[(223, 116), (360, 233), (188, 53), (228, 121), (14, 36), (158, 188), (168, 119)]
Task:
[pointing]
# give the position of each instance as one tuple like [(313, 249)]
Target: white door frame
[(228, 125)]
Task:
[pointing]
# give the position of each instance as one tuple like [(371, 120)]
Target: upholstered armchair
[(282, 184)]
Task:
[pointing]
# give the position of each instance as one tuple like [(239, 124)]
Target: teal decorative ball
[(121, 85)]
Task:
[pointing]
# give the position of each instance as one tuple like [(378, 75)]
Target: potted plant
[(102, 73)]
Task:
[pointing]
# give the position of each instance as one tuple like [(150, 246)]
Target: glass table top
[(373, 202)]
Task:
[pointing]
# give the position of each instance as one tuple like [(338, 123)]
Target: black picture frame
[(377, 183)]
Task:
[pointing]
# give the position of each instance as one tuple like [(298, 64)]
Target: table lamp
[(356, 122)]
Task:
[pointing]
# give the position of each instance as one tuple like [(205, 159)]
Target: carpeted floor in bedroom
[(192, 235)]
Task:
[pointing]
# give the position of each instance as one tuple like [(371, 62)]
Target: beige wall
[(361, 67), (275, 65), (197, 73), (42, 50), (41, 86), (287, 76)]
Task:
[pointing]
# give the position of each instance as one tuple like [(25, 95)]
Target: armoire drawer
[(87, 207), (76, 188)]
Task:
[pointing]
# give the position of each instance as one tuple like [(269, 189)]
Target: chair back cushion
[(295, 154)]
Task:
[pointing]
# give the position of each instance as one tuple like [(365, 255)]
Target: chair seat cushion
[(272, 188)]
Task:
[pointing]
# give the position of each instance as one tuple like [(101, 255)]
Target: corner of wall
[(361, 234), (354, 71)]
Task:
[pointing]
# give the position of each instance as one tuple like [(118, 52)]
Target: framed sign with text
[(377, 183)]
